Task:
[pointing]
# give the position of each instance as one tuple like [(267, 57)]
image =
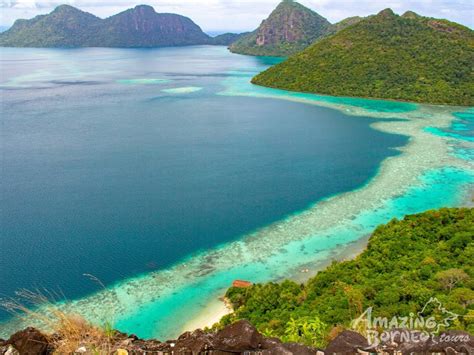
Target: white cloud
[(240, 15)]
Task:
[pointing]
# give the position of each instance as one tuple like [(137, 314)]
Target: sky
[(243, 15)]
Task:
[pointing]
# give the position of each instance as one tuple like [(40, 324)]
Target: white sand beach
[(209, 315)]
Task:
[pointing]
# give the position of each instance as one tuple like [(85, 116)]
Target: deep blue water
[(106, 175)]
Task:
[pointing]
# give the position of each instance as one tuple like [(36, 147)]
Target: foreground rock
[(402, 341), (238, 338), (347, 342), (243, 338), (28, 341)]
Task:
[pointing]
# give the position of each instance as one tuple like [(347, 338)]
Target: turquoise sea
[(166, 175)]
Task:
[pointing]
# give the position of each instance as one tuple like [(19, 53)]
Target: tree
[(463, 296), (307, 330), (450, 278)]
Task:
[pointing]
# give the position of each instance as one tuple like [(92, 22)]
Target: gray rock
[(348, 342), (238, 337), (30, 341)]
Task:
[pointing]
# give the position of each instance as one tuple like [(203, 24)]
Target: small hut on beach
[(241, 284)]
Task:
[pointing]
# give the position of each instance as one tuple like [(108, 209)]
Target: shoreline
[(220, 307), (210, 314)]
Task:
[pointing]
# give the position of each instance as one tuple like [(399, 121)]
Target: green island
[(406, 263), (139, 27), (385, 56)]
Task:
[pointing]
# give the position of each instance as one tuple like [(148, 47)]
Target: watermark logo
[(414, 328)]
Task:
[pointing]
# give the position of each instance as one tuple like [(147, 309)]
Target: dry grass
[(66, 332)]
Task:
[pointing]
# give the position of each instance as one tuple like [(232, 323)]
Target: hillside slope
[(290, 28), (405, 264), (226, 39), (66, 26), (141, 26), (385, 56)]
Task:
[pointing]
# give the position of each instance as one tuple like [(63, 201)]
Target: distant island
[(290, 28), (385, 56), (140, 27)]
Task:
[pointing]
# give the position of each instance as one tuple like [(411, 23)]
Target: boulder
[(144, 346), (270, 343), (348, 342), (298, 349), (275, 346), (30, 341), (457, 340), (404, 341), (277, 350), (413, 341), (238, 337), (194, 342)]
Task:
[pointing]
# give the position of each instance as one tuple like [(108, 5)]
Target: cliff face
[(141, 26), (291, 22), (290, 28)]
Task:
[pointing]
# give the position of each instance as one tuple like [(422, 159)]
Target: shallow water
[(120, 162)]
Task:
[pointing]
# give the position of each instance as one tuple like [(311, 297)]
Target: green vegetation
[(386, 56), (290, 28), (141, 26), (342, 25), (405, 264), (66, 26), (226, 39)]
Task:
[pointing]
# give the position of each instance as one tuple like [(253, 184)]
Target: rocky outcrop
[(194, 342), (290, 28), (243, 338), (238, 338), (29, 341), (402, 341), (449, 342), (347, 342), (143, 27)]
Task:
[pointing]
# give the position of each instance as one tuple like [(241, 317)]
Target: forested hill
[(226, 39), (386, 56), (141, 26), (405, 264)]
